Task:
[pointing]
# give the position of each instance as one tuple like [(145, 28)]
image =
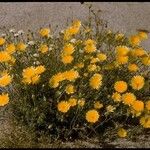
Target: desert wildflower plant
[(84, 79)]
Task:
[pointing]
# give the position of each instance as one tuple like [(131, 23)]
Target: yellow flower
[(98, 105), (39, 69), (138, 52), (67, 59), (35, 79), (4, 99), (81, 102), (94, 60), (4, 56), (146, 60), (102, 57), (122, 59), (73, 102), (70, 89), (92, 116), (63, 106), (128, 98), (122, 133), (21, 46), (145, 121), (119, 36), (90, 46), (89, 42), (138, 106), (31, 74), (2, 41), (79, 65), (71, 75), (120, 86), (76, 23), (68, 49), (110, 108), (43, 48), (122, 50), (95, 81), (148, 105), (5, 80), (54, 81), (137, 82), (10, 48), (143, 35), (92, 67), (116, 97), (44, 32), (133, 67), (135, 40)]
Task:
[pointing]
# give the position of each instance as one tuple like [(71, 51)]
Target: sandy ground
[(125, 17)]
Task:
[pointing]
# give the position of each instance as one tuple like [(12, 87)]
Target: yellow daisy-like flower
[(72, 102), (145, 121), (81, 102), (67, 59), (98, 105), (90, 46), (39, 69), (116, 97), (54, 81), (135, 40), (76, 23), (137, 82), (110, 108), (4, 56), (43, 48), (148, 105), (122, 133), (122, 59), (102, 57), (94, 60), (79, 65), (21, 46), (92, 116), (119, 36), (143, 35), (44, 32), (120, 86), (89, 42), (138, 52), (68, 49), (70, 89), (96, 81), (92, 67), (133, 67), (10, 48), (2, 41), (4, 99), (5, 80), (31, 74), (138, 106), (128, 98), (35, 79), (146, 60), (63, 106), (71, 75), (122, 50)]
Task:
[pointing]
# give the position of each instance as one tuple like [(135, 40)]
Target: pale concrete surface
[(123, 16)]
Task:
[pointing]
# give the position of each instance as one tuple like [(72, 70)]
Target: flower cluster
[(80, 77)]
